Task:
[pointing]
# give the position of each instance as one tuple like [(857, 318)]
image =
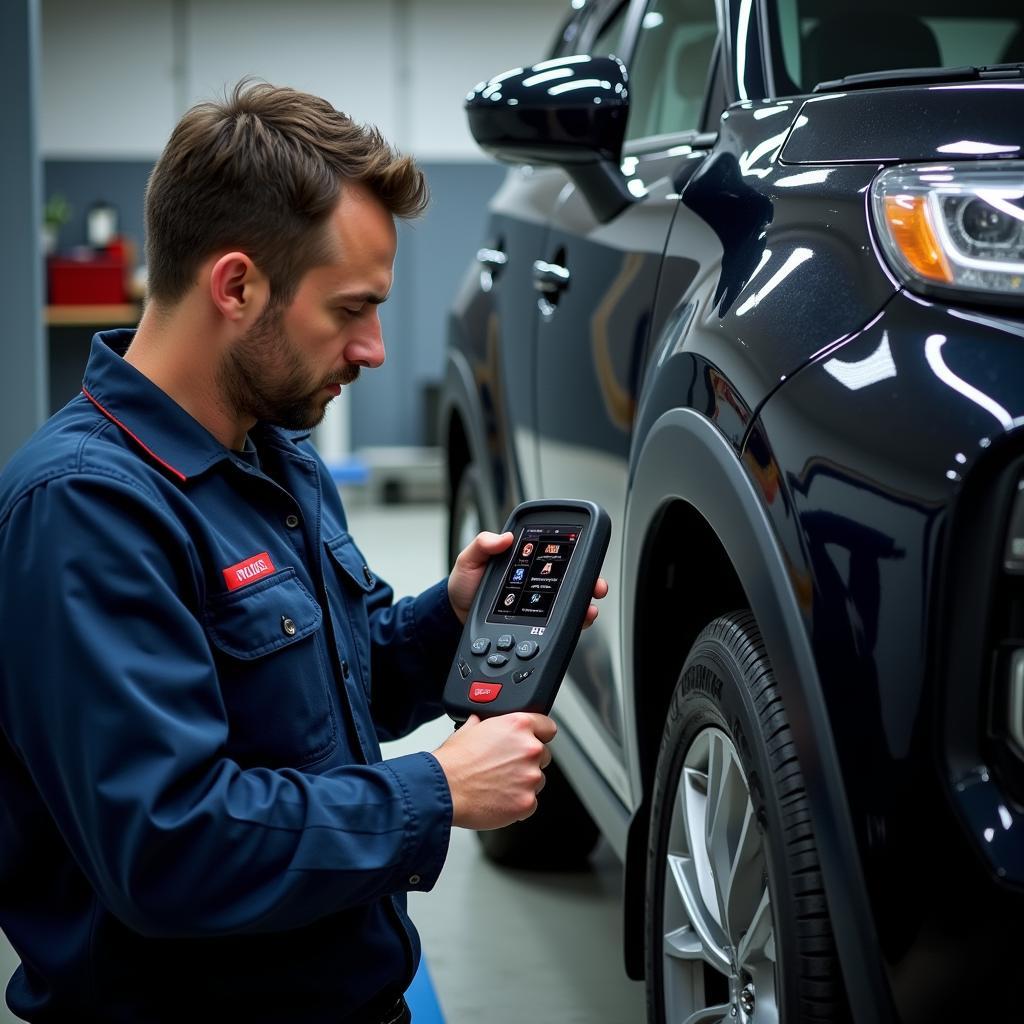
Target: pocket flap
[(262, 617), (351, 562)]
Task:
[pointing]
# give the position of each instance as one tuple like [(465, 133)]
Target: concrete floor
[(500, 946)]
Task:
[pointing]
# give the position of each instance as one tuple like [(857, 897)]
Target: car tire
[(558, 836), (731, 828)]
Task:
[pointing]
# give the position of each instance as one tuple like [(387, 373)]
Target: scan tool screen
[(539, 562)]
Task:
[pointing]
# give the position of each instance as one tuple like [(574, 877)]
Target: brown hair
[(261, 172)]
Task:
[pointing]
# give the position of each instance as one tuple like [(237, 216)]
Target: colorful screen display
[(539, 562)]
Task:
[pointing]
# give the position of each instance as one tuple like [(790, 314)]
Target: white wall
[(118, 73)]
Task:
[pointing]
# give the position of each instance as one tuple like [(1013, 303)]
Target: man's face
[(294, 360)]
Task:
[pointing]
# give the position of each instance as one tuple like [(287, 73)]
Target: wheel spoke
[(733, 842), (695, 806), (766, 1010), (684, 943), (742, 889), (758, 945), (721, 823), (687, 892), (756, 956), (710, 1015)]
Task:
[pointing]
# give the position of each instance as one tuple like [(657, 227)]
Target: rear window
[(822, 40)]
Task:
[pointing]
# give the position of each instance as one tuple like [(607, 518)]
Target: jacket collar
[(160, 428)]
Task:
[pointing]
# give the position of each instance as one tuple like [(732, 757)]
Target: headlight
[(954, 227)]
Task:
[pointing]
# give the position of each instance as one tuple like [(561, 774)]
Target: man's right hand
[(495, 768)]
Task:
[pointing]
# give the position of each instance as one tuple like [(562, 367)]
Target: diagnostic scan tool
[(529, 610)]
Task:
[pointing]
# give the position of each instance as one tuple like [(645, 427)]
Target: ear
[(237, 287)]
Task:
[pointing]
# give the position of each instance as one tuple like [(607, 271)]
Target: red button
[(484, 693)]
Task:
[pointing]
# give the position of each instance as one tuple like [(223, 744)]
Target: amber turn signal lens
[(911, 229)]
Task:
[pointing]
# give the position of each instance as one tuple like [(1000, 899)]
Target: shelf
[(121, 315)]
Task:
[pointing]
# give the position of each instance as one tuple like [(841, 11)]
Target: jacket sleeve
[(109, 695), (412, 643)]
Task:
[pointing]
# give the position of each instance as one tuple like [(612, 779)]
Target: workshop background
[(92, 92)]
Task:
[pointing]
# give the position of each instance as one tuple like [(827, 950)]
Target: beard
[(264, 377)]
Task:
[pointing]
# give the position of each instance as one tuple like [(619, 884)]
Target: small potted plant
[(56, 212)]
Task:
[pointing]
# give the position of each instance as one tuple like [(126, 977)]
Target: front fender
[(684, 457)]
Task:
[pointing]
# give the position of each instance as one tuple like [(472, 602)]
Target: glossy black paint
[(731, 342), (566, 110), (949, 121), (492, 330), (569, 111), (861, 478), (778, 240), (591, 342)]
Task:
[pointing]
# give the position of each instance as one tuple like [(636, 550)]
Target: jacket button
[(288, 625), (291, 521), (344, 669), (414, 879), (367, 575)]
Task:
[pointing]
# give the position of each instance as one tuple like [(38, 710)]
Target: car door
[(494, 314), (596, 285)]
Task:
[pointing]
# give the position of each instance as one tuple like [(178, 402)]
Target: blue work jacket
[(195, 669)]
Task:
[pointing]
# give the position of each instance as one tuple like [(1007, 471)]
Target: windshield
[(822, 40)]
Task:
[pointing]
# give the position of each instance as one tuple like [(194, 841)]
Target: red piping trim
[(145, 447)]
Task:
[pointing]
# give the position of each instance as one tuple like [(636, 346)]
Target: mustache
[(347, 376)]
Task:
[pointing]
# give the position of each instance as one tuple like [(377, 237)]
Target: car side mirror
[(570, 111)]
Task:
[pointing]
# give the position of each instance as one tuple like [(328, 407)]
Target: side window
[(669, 71), (609, 39), (565, 44)]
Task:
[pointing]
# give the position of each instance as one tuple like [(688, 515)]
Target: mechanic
[(197, 662)]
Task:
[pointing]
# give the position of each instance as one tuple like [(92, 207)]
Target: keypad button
[(463, 669), (497, 660), (518, 677), (484, 693), (527, 649), (505, 642), (481, 645)]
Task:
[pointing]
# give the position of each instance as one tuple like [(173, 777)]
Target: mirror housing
[(570, 111)]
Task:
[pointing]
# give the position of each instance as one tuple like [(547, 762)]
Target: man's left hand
[(469, 571)]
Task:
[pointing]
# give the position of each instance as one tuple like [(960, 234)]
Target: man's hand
[(469, 571), (495, 768)]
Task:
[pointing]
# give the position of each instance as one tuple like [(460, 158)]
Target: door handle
[(549, 278), (491, 259)]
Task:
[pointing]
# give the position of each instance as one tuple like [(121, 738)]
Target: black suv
[(756, 285)]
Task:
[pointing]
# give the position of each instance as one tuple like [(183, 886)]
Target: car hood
[(968, 120)]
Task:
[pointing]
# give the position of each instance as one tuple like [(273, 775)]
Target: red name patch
[(248, 571)]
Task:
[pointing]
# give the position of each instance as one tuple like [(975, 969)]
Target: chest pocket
[(267, 640), (352, 581)]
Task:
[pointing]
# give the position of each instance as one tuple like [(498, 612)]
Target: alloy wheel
[(718, 939)]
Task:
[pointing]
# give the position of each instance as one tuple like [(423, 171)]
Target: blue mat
[(351, 470), (422, 998)]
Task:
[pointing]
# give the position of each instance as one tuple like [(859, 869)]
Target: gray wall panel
[(388, 405), (23, 404)]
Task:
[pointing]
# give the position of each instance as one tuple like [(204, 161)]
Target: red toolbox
[(98, 280)]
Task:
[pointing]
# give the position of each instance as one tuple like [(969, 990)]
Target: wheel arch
[(461, 427), (685, 474)]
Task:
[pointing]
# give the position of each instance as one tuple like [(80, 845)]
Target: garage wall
[(117, 74)]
